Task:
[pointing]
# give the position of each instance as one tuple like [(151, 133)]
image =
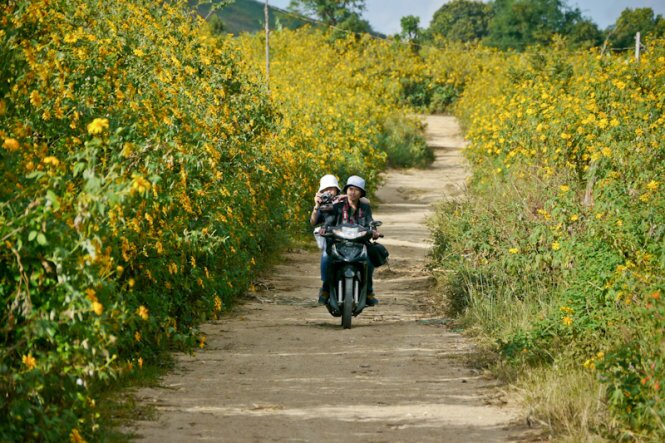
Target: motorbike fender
[(348, 272)]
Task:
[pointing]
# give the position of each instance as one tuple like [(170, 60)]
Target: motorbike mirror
[(377, 223)]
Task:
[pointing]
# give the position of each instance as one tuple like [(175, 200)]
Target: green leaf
[(50, 196), (32, 235), (78, 167), (41, 239)]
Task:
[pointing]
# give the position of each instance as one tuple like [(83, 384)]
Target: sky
[(385, 15)]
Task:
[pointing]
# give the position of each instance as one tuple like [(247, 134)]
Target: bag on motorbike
[(378, 254), (320, 241)]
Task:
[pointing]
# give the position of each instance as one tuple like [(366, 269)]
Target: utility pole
[(266, 17), (637, 46)]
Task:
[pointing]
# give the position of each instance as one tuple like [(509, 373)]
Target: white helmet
[(358, 182), (328, 181)]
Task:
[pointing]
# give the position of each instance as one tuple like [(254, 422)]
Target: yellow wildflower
[(71, 38), (142, 311), (564, 188), (126, 150), (556, 246), (35, 99), (513, 250), (51, 161), (29, 361), (140, 184), (97, 126), (97, 307), (140, 362), (91, 294), (137, 336), (11, 144), (652, 185), (76, 437), (567, 320)]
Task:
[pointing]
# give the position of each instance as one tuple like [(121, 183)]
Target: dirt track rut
[(281, 368)]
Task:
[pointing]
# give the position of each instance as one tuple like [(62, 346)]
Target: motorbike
[(349, 265)]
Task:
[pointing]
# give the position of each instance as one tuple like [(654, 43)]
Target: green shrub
[(403, 141)]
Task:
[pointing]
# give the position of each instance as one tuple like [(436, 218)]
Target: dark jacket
[(343, 213)]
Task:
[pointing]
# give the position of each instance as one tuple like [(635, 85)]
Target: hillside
[(248, 16)]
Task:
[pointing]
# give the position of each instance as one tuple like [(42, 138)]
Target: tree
[(354, 23), (631, 21), (462, 20), (343, 14), (411, 32), (410, 27), (517, 24), (583, 34)]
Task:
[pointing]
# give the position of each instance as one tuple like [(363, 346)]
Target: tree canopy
[(410, 27), (517, 24), (631, 21), (343, 14), (462, 20)]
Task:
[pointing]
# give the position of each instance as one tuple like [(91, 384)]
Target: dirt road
[(282, 369)]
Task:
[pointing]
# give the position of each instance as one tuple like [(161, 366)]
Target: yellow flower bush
[(567, 152), (141, 157), (146, 170)]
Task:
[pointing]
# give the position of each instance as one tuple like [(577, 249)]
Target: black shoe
[(372, 300), (323, 297)]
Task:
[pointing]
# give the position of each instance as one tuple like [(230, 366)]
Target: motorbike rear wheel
[(347, 309)]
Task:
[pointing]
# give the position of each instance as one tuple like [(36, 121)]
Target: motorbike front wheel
[(347, 309)]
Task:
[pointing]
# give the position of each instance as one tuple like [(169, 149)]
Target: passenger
[(328, 187)]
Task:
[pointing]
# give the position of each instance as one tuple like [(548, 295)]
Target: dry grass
[(569, 402)]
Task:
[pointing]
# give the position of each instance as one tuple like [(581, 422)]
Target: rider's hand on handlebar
[(375, 235)]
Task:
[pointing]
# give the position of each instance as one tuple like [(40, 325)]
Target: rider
[(353, 210), (328, 184)]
